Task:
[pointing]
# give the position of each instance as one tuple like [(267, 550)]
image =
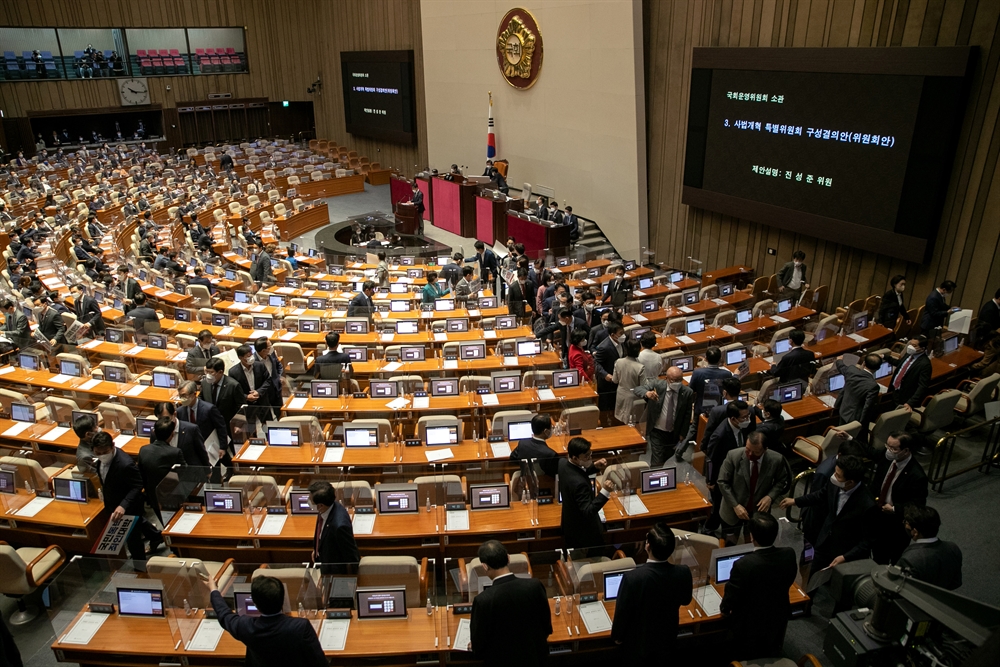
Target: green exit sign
[(284, 103)]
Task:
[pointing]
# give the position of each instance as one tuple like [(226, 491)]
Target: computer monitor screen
[(884, 371), (397, 499), (441, 435), (835, 381), (140, 602), (785, 393), (736, 356), (210, 269), (694, 325), (308, 325), (456, 325), (784, 305), (594, 272), (164, 380), (241, 297), (636, 334), (276, 301), (949, 344), (444, 304), (562, 261), (468, 351), (159, 282), (145, 426), (489, 496), (220, 319), (244, 604), (223, 501), (282, 436), (650, 305), (518, 431), (529, 348), (317, 303), (398, 288), (321, 389), (69, 367), (676, 276), (407, 260), (658, 479), (690, 297), (74, 490), (860, 321), (782, 345), (98, 296), (383, 389), (629, 265), (448, 387), (28, 362), (686, 364), (76, 414), (399, 305), (360, 436), (356, 327), (412, 353), (230, 274), (262, 323), (506, 322), (567, 378), (143, 274), (744, 316), (407, 327), (487, 302), (324, 285), (645, 283), (182, 315), (22, 412), (299, 503), (373, 603), (414, 273), (724, 567), (506, 382), (8, 481), (726, 289), (356, 353), (612, 582), (157, 341)]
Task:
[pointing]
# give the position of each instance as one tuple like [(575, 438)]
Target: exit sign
[(284, 103)]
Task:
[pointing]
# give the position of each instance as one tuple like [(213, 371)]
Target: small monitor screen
[(487, 302), (276, 301), (210, 269), (694, 325), (506, 322), (98, 296), (884, 371), (489, 496), (324, 285), (230, 274), (407, 260), (8, 483), (282, 436), (726, 289), (74, 490), (241, 297), (612, 582), (355, 436), (676, 276), (164, 380), (412, 353), (220, 319), (645, 283), (736, 356), (356, 353), (356, 327), (860, 321), (381, 603), (383, 389), (157, 341), (567, 378), (159, 282), (658, 479), (744, 316), (308, 325), (414, 273), (140, 602), (782, 345), (28, 362), (949, 344), (629, 265), (457, 325), (319, 389), (444, 304), (68, 367), (690, 297), (503, 383), (399, 305), (398, 288), (223, 502), (529, 348), (468, 351), (650, 305), (299, 503), (637, 333), (407, 327), (686, 364), (317, 303), (447, 387), (594, 272), (442, 435), (262, 323), (22, 412), (784, 305), (518, 431), (244, 604), (145, 426), (562, 261), (835, 381), (182, 315), (786, 393), (724, 567), (397, 500)]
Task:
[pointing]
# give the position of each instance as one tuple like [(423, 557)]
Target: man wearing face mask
[(729, 435), (669, 405), (899, 482), (813, 517), (520, 293), (254, 381), (157, 459), (751, 479), (912, 378), (792, 276), (222, 391), (208, 419), (599, 333), (617, 290), (928, 558), (85, 427), (535, 447), (555, 215), (851, 515), (202, 351), (185, 436), (605, 356), (581, 523), (586, 311), (333, 545)]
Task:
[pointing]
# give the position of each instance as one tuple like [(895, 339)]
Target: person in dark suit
[(605, 355), (200, 279), (669, 406), (121, 485), (936, 308), (535, 447), (87, 311), (26, 251), (771, 425), (756, 596), (814, 515), (573, 222), (599, 332), (186, 436), (892, 305), (989, 320), (129, 285), (333, 541), (793, 276), (157, 459), (731, 388), (271, 638), (207, 417), (222, 391), (488, 266), (581, 525), (510, 622), (649, 602), (702, 376), (555, 216), (50, 322), (617, 289), (332, 355), (751, 479), (728, 435), (797, 363), (16, 326), (859, 397), (912, 378), (362, 305), (140, 314), (851, 519), (520, 294), (254, 381), (201, 352), (899, 481), (563, 329), (417, 199), (264, 353), (928, 558)]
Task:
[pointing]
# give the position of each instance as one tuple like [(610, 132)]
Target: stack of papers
[(186, 523), (272, 524), (595, 617), (207, 637), (490, 399), (253, 452), (85, 628), (17, 429), (122, 440), (55, 434), (687, 340), (34, 506), (708, 599), (298, 402), (857, 338), (397, 403), (633, 505), (391, 366), (136, 390), (827, 399), (457, 520), (439, 454), (546, 395), (364, 524), (501, 450), (332, 633)]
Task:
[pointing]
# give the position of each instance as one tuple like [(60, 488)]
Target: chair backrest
[(118, 366), (438, 420), (202, 296), (8, 396), (392, 571), (264, 489), (472, 382), (591, 575), (28, 470), (586, 417), (408, 383), (533, 378), (181, 578), (693, 549), (117, 417), (383, 425), (765, 307), (292, 356), (301, 585), (940, 411), (893, 420), (61, 409), (779, 334), (519, 565), (500, 420), (981, 394), (621, 473), (13, 572), (725, 317)]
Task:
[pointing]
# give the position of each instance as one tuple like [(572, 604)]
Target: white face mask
[(106, 459), (910, 349), (675, 386), (589, 307), (621, 339), (890, 455), (837, 482), (745, 423)]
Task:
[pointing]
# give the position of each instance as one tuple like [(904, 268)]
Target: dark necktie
[(754, 472), (316, 538), (887, 484), (215, 392), (902, 372)]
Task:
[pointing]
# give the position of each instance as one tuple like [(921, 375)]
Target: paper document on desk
[(720, 302), (387, 337), (289, 335), (463, 635), (595, 617), (391, 366), (828, 400), (259, 308), (457, 520), (687, 340), (882, 389), (225, 331), (252, 452), (439, 454), (490, 334), (638, 292), (181, 356), (136, 390), (55, 434), (450, 364), (639, 317), (784, 415), (501, 450), (7, 369), (272, 524), (364, 524), (857, 338), (333, 455), (60, 379), (298, 402), (34, 506), (685, 309), (186, 523), (633, 505), (421, 402), (18, 428), (87, 626), (474, 312), (510, 361), (89, 384), (333, 633), (91, 344), (398, 403), (490, 399), (207, 637), (546, 395), (708, 599), (122, 440), (440, 336)]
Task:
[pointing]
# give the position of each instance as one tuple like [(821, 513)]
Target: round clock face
[(134, 91)]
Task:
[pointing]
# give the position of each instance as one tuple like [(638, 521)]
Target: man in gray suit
[(16, 326), (668, 413), (927, 558), (752, 478), (859, 397)]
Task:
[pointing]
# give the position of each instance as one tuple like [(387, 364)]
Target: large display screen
[(848, 145), (379, 100)]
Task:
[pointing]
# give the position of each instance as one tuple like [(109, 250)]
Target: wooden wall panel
[(288, 42), (966, 247)]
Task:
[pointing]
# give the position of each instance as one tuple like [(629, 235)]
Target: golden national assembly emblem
[(519, 48)]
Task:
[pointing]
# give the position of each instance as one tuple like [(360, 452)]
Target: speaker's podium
[(406, 218)]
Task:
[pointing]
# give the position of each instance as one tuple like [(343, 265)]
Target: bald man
[(669, 405)]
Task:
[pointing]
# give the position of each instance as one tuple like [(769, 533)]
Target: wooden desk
[(295, 224), (543, 361), (100, 389), (599, 281), (491, 218), (833, 346), (73, 526), (537, 235), (704, 307), (738, 274), (378, 176), (329, 187)]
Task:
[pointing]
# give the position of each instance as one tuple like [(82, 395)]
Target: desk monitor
[(398, 288), (412, 353), (737, 356), (356, 326), (724, 566), (444, 304), (594, 272), (70, 367), (22, 412), (308, 325), (649, 305), (299, 502), (210, 269), (506, 381), (949, 344), (676, 276), (182, 315), (726, 289), (356, 353), (334, 269), (686, 363), (469, 351), (414, 273), (859, 322), (323, 389), (276, 301), (28, 361), (98, 296), (506, 322), (784, 305), (157, 341), (407, 327), (316, 303), (118, 304), (612, 582), (397, 498), (694, 325), (244, 602), (690, 296), (241, 297), (529, 348), (159, 282), (230, 274), (782, 345), (375, 603), (283, 436), (8, 481), (636, 334), (835, 382), (407, 260), (399, 305), (263, 323), (361, 436), (383, 389), (487, 302), (658, 479), (220, 319), (324, 285), (446, 387), (629, 265), (744, 316), (518, 431), (223, 501), (489, 496), (164, 380), (441, 435), (144, 426), (144, 602), (562, 261), (456, 325), (884, 371), (566, 378), (645, 283), (788, 392), (73, 490)]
